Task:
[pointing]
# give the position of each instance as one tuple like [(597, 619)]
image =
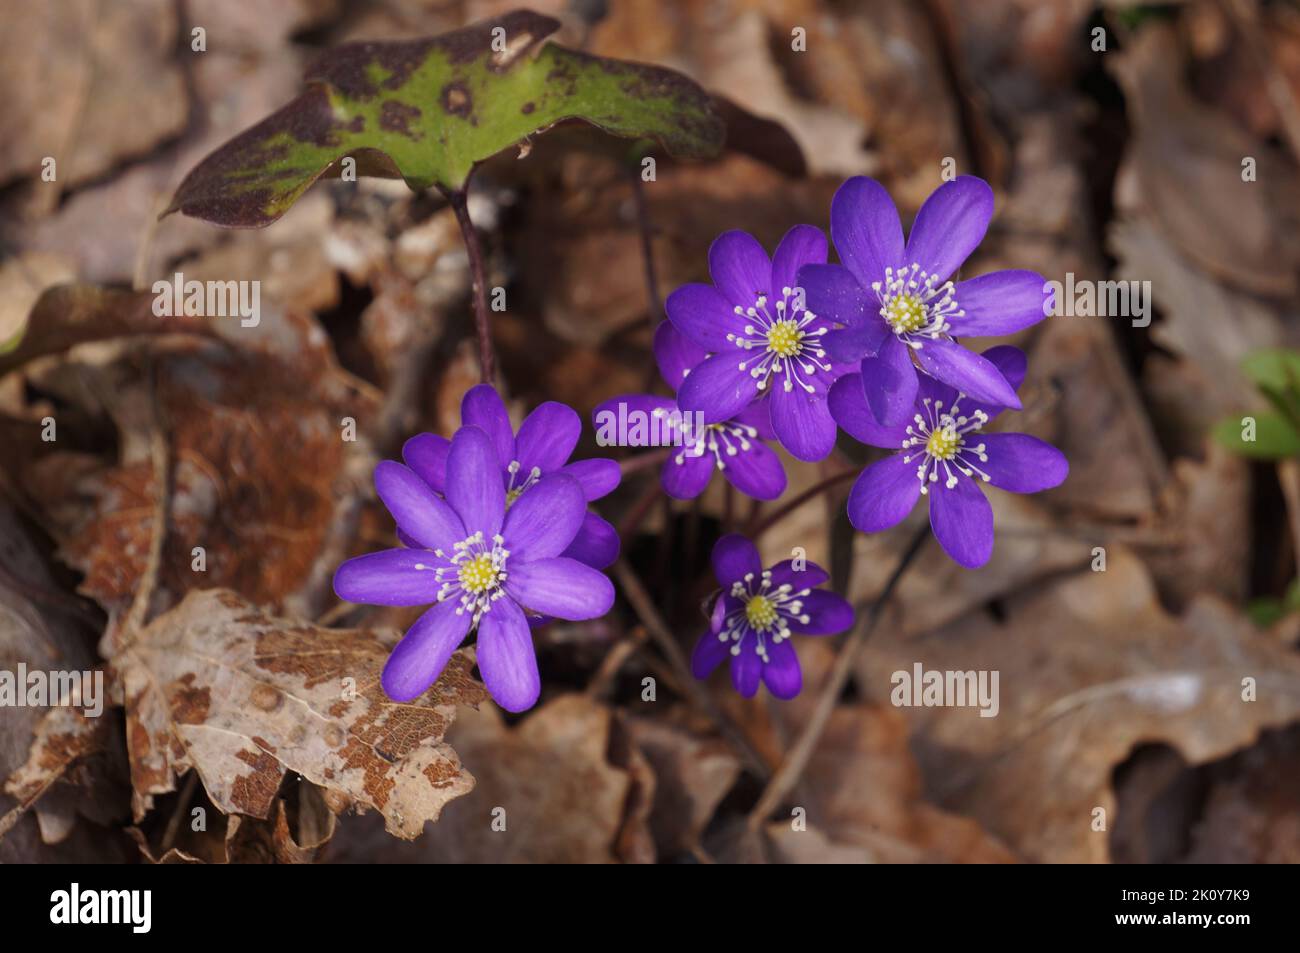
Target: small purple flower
[(543, 445), (732, 447), (762, 338), (895, 301), (757, 612), (482, 567), (944, 456)]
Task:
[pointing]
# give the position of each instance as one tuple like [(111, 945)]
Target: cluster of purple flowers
[(871, 345), (495, 525)]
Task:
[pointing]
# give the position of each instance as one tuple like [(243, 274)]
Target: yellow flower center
[(478, 574), (512, 495), (943, 443), (760, 612), (905, 312), (784, 337)]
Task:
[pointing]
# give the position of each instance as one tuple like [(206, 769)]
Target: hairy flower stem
[(792, 767), (647, 248), (646, 230), (486, 356)]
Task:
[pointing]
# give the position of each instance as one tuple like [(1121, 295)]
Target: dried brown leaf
[(242, 697)]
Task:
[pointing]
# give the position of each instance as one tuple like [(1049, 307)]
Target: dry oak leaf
[(1090, 666), (241, 697)]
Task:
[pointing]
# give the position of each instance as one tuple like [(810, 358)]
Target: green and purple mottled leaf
[(429, 110)]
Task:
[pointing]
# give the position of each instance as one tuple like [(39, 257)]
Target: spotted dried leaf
[(242, 697)]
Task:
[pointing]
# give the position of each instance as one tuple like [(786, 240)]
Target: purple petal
[(685, 475), (426, 454), (884, 494), (831, 292), (962, 521), (596, 544), (547, 437), (734, 557), (675, 353), (704, 317), (746, 668), (420, 657), (598, 477), (420, 513), (889, 382), (616, 421), (1020, 463), (718, 387), (950, 225), (970, 373), (1011, 364), (474, 486), (866, 230), (847, 402), (560, 587), (740, 270), (850, 345), (758, 416), (782, 674), (756, 472), (828, 614), (802, 423), (506, 657), (802, 245), (1001, 302), (811, 575), (389, 578), (482, 406), (545, 518), (710, 651)]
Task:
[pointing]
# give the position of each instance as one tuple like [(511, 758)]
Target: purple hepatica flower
[(733, 447), (896, 301), (481, 566), (545, 440), (762, 339), (943, 455), (757, 612)]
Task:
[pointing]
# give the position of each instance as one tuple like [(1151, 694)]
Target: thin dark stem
[(812, 492), (787, 776), (647, 249), (643, 460), (639, 511), (486, 356), (654, 623)]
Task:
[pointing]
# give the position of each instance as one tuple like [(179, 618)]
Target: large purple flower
[(757, 612), (896, 302), (734, 447), (543, 445), (762, 338), (483, 568), (944, 456)]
